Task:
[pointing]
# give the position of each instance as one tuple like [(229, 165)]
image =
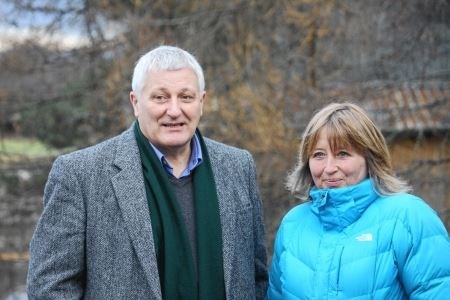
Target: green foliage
[(24, 165), (12, 149), (59, 122)]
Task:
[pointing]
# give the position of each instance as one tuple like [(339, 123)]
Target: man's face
[(169, 108)]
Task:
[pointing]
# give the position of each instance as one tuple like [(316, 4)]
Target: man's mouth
[(173, 125)]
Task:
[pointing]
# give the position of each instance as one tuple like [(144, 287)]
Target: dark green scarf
[(176, 268)]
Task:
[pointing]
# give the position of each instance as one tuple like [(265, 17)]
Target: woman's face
[(335, 169)]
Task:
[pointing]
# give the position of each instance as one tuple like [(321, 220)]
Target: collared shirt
[(194, 161)]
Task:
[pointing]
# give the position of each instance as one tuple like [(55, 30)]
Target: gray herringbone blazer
[(94, 238)]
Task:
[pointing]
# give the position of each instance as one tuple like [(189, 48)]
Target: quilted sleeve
[(274, 291), (422, 249)]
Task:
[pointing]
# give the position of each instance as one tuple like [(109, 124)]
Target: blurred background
[(65, 71)]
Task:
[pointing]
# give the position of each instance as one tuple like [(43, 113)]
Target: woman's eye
[(343, 154), (318, 155)]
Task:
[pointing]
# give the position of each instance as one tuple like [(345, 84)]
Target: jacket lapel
[(227, 212), (129, 189)]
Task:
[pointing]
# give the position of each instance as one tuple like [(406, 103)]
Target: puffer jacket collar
[(339, 207)]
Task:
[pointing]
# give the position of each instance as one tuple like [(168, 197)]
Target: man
[(158, 212)]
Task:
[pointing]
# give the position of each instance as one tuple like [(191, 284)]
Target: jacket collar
[(338, 208), (129, 188)]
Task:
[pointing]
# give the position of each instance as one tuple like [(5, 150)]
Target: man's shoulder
[(103, 148), (222, 148)]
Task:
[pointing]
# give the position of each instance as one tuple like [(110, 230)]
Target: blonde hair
[(347, 125)]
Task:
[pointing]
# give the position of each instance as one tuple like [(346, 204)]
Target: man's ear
[(134, 100), (202, 100)]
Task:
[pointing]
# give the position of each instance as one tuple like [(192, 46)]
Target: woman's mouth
[(333, 182)]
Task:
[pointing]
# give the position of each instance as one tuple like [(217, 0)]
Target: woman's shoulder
[(404, 202), (414, 212), (298, 212), (294, 221)]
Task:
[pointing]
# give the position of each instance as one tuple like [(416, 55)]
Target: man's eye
[(158, 98), (187, 98)]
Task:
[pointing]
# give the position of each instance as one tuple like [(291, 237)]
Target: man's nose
[(174, 108)]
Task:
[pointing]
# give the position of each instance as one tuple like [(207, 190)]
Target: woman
[(359, 234)]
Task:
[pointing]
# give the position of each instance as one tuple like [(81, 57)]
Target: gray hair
[(165, 58)]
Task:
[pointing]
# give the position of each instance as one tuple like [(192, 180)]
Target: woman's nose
[(330, 165)]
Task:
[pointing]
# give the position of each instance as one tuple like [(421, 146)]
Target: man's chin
[(175, 143)]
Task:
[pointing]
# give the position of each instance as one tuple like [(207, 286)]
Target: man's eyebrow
[(187, 90), (160, 89)]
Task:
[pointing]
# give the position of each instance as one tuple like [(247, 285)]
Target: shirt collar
[(194, 161)]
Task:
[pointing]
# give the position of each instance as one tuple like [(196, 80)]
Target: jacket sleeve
[(422, 248), (56, 264), (274, 291), (261, 276)]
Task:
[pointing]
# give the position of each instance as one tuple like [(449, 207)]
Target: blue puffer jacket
[(350, 243)]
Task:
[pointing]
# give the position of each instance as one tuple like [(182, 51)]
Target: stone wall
[(21, 187)]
